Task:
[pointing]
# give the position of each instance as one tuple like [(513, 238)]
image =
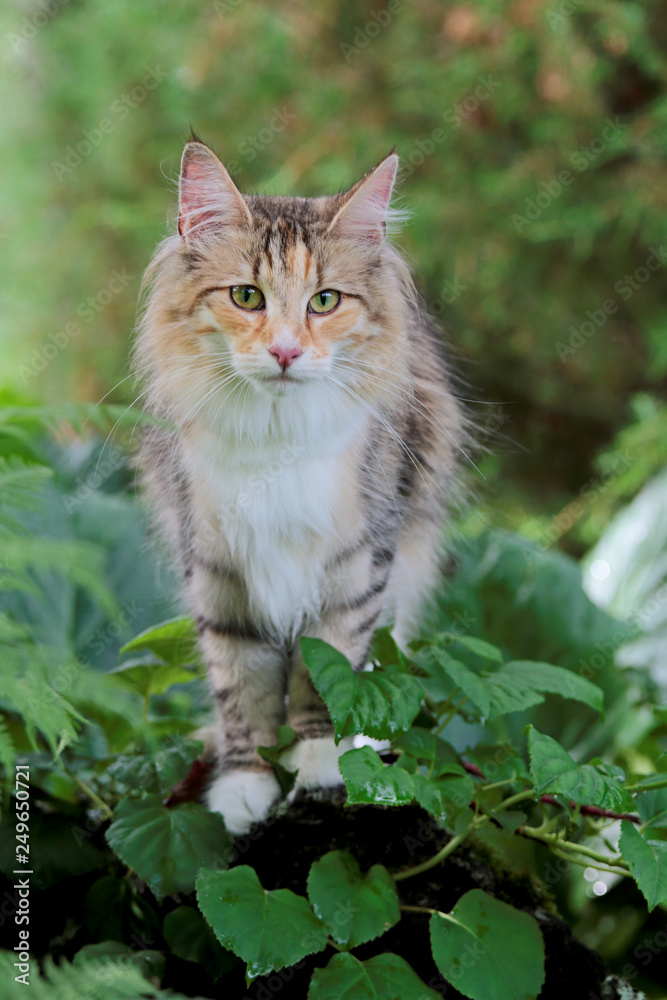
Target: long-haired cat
[(315, 449)]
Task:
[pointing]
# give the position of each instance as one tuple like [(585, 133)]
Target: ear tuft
[(208, 197), (363, 215)]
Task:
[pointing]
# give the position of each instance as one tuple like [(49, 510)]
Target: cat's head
[(277, 293)]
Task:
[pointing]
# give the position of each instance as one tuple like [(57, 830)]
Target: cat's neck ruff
[(314, 418)]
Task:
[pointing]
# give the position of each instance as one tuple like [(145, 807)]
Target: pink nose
[(284, 356)]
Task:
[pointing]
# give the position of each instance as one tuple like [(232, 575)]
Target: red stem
[(550, 800)]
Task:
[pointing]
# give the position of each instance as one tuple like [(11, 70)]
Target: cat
[(314, 455)]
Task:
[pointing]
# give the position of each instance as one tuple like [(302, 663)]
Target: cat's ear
[(207, 196), (363, 214)]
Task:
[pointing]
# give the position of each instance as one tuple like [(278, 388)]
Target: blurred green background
[(533, 136)]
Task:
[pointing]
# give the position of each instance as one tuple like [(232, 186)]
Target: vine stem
[(104, 808), (586, 864), (569, 846), (448, 849)]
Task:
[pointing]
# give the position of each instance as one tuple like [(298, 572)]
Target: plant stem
[(417, 909), (647, 788), (105, 809), (448, 849), (528, 793), (587, 864), (569, 846)]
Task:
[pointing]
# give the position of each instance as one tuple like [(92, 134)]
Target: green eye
[(247, 296), (324, 302)]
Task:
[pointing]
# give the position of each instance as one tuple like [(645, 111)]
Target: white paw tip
[(316, 761), (243, 798)]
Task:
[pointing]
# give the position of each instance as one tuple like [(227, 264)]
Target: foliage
[(493, 747)]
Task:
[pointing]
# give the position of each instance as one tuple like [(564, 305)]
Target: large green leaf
[(167, 847), (489, 950), (553, 770), (515, 686), (354, 907), (367, 779), (174, 641), (152, 678), (378, 703), (648, 863), (384, 977), (540, 677), (267, 929)]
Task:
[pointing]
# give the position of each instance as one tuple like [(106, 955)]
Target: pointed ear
[(363, 214), (208, 197)]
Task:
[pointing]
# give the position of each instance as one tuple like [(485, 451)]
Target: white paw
[(316, 761), (368, 741), (243, 798)]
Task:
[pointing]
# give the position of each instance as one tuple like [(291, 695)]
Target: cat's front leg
[(348, 626), (248, 680)]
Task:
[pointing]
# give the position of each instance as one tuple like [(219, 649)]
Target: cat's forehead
[(288, 235)]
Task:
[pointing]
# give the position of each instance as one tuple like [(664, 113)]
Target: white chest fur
[(278, 505)]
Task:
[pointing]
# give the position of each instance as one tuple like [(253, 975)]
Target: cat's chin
[(279, 385)]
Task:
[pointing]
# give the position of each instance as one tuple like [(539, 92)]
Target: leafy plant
[(161, 893)]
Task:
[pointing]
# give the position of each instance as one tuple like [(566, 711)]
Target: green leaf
[(384, 650), (553, 770), (267, 929), (480, 647), (652, 807), (155, 772), (355, 908), (192, 939), (378, 703), (547, 679), (489, 950), (286, 737), (152, 678), (167, 847), (444, 795), (472, 685), (148, 961), (174, 641), (648, 863), (517, 685), (427, 748), (384, 977), (113, 979), (367, 779)]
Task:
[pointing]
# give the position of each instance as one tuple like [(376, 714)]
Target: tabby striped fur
[(306, 500)]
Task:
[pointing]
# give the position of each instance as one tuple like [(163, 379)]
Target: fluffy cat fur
[(314, 455)]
